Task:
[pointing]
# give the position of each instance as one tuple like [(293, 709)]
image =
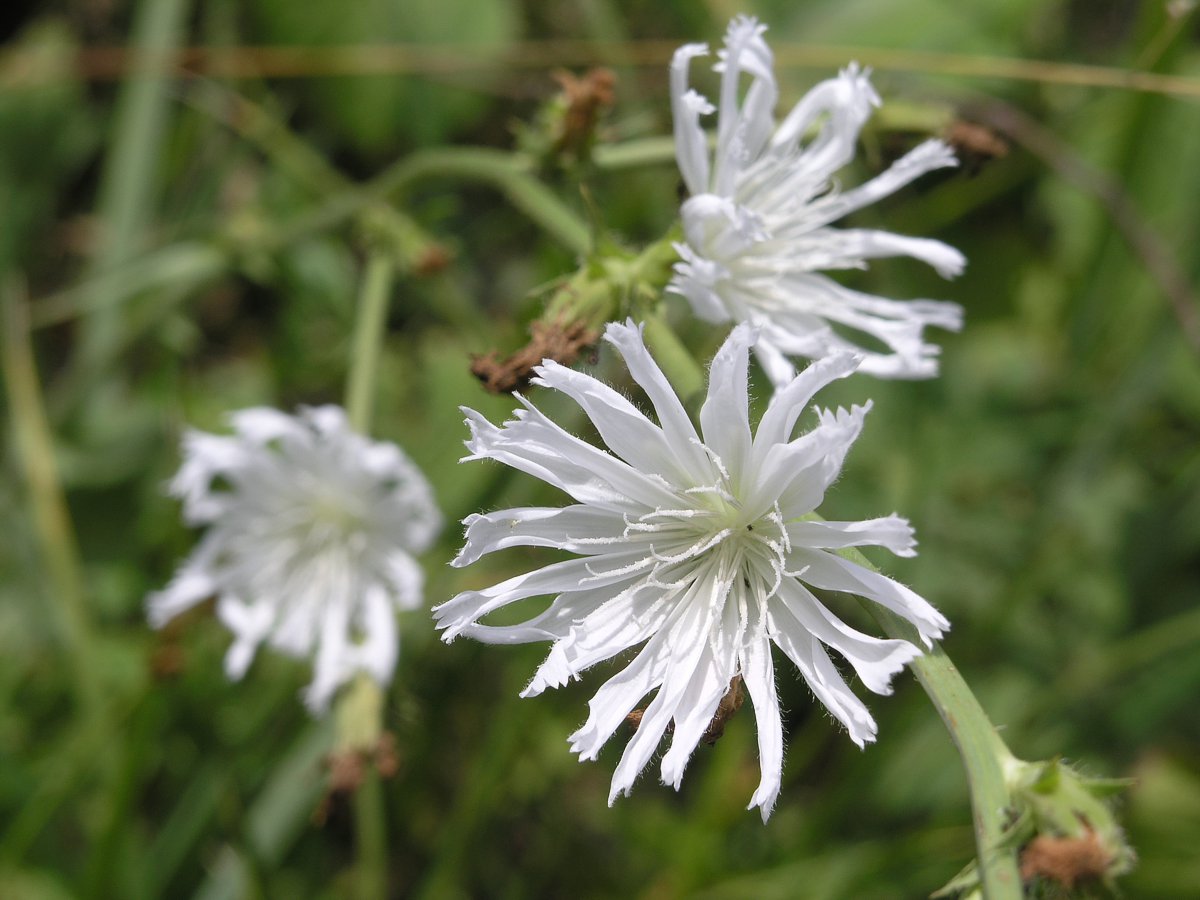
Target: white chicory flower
[(696, 548), (757, 225), (311, 534)]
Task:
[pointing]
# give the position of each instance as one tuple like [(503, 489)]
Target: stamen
[(644, 563), (694, 550)]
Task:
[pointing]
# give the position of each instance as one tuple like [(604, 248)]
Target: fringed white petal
[(580, 529), (892, 532), (832, 572), (758, 673)]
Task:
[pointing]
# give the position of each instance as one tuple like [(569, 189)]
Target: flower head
[(311, 534), (757, 223), (694, 547)]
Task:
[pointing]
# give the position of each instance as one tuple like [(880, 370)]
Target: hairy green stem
[(984, 755)]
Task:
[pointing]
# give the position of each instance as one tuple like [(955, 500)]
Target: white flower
[(757, 223), (697, 549), (311, 534)]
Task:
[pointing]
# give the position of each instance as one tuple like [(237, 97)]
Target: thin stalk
[(368, 339), (359, 708), (51, 518), (127, 183), (984, 756), (509, 173), (370, 822), (197, 261)]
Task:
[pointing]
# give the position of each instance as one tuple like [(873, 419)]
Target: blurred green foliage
[(1052, 472)]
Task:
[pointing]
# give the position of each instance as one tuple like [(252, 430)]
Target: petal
[(708, 686), (758, 673), (876, 660), (556, 622), (537, 446), (404, 578), (250, 624), (923, 158), (742, 129), (724, 417), (688, 639), (612, 703), (795, 476), (622, 427), (893, 532), (691, 148), (898, 324), (846, 103), (831, 572), (580, 529), (197, 580), (789, 402), (467, 607), (622, 620), (260, 425), (672, 417), (847, 248), (332, 665), (377, 652), (806, 652)]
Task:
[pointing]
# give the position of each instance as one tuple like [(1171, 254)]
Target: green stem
[(508, 172), (370, 822), (359, 707), (198, 261), (650, 151), (368, 339), (127, 183), (984, 755), (51, 517)]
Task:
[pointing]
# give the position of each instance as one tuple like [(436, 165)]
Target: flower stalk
[(360, 707)]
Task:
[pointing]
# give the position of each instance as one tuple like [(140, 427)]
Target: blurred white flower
[(311, 534), (696, 549), (757, 223)]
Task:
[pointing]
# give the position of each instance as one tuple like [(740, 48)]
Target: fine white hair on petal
[(312, 533), (758, 216), (693, 568)]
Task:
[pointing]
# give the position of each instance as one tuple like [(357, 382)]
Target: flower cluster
[(311, 534), (757, 225), (694, 545)]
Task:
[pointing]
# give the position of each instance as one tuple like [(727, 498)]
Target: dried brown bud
[(348, 767), (548, 340), (729, 705), (1065, 860), (587, 97), (433, 258), (974, 144)]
